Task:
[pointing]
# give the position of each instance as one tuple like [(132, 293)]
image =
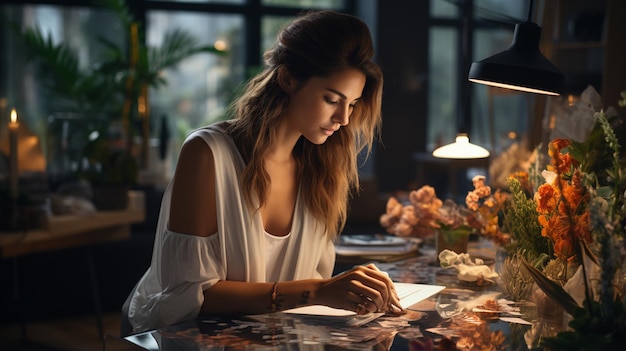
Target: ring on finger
[(361, 308), (374, 302), (367, 300)]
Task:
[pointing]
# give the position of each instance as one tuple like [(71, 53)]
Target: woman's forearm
[(362, 289), (233, 297)]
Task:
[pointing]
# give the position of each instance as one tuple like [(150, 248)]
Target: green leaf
[(587, 250), (552, 289)]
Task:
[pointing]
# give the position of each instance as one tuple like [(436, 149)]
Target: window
[(270, 26), (496, 116), (198, 90), (208, 1), (499, 116), (321, 4), (442, 97), (79, 26)]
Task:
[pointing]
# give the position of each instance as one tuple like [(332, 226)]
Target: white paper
[(408, 293)]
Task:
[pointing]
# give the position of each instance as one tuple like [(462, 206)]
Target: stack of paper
[(374, 244), (375, 247)]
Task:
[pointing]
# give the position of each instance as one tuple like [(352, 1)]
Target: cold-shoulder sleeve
[(171, 293), (183, 266)]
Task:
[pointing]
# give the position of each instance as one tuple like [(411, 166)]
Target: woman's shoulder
[(216, 137), (215, 129)]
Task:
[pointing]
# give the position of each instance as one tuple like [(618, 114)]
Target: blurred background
[(425, 48)]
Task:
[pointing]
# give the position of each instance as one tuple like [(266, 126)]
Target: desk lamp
[(522, 66)]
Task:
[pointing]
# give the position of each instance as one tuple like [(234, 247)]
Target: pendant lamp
[(461, 149), (522, 66)]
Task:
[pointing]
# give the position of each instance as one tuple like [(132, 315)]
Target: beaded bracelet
[(273, 306)]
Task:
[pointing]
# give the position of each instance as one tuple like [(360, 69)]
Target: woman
[(248, 222)]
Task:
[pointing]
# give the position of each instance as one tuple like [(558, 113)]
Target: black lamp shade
[(521, 66)]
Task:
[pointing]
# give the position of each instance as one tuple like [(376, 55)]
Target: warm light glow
[(461, 149), (220, 45), (552, 123), (14, 129), (513, 87), (141, 106), (571, 100), (13, 116)]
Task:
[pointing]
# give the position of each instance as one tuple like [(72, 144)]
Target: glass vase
[(454, 240)]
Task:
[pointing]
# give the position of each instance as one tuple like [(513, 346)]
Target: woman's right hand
[(362, 289)]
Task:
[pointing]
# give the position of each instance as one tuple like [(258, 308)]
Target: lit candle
[(13, 164)]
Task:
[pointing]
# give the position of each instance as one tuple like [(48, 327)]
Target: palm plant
[(116, 87)]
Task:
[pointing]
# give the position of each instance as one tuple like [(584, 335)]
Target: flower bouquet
[(423, 214), (569, 226)]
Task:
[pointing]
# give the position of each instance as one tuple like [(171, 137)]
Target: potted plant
[(115, 90)]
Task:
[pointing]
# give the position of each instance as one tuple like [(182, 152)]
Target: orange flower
[(561, 204), (471, 201), (484, 208), (581, 228), (421, 213), (566, 163), (492, 227), (563, 249), (524, 180), (544, 221), (561, 162), (419, 218), (561, 236), (572, 195), (546, 198)]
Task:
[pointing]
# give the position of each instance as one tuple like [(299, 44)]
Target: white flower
[(549, 176)]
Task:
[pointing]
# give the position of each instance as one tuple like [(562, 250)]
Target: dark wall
[(403, 56)]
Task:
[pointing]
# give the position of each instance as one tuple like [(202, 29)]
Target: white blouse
[(276, 249), (183, 266)]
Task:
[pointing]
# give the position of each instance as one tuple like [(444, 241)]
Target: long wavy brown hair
[(314, 44)]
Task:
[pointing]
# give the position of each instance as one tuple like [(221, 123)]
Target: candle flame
[(13, 116)]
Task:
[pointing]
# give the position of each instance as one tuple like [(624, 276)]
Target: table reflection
[(483, 320), (274, 332)]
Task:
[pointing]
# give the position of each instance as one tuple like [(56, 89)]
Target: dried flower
[(476, 335), (421, 217), (424, 213), (517, 283), (485, 208)]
